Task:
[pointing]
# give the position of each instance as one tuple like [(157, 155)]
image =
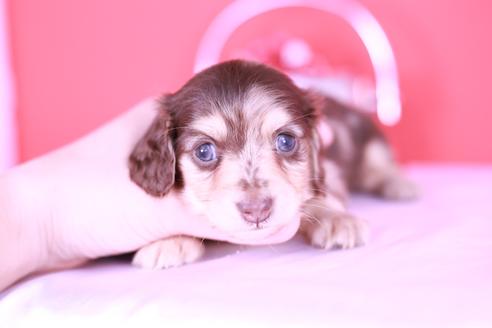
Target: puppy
[(255, 155)]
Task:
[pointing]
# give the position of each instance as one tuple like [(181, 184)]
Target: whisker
[(178, 128), (318, 189), (273, 248), (311, 217), (320, 206), (299, 117)]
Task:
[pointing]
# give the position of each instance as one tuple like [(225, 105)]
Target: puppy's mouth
[(265, 234), (260, 225)]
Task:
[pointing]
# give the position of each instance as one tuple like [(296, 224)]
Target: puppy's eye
[(206, 152), (285, 143)]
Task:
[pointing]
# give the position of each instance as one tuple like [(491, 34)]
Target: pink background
[(80, 63)]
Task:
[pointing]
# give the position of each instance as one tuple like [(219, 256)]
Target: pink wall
[(80, 63)]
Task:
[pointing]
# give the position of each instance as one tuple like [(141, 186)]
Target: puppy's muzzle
[(255, 210)]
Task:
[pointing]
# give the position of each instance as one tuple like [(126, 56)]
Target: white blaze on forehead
[(264, 111), (212, 125)]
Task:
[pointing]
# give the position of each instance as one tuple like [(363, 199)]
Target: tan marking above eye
[(262, 109), (212, 125), (274, 120)]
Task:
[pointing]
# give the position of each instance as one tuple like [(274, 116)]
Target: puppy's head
[(238, 142)]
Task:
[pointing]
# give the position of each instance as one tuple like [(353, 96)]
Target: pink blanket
[(428, 263)]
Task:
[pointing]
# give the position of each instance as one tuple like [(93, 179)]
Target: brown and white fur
[(253, 190)]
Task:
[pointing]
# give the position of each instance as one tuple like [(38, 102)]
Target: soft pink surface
[(428, 263)]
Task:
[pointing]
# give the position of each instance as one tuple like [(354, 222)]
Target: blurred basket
[(370, 32)]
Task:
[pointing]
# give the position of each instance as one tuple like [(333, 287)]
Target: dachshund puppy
[(253, 154)]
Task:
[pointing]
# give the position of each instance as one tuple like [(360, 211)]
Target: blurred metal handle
[(388, 104), (8, 140)]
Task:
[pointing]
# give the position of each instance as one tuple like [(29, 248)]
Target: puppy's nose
[(255, 210)]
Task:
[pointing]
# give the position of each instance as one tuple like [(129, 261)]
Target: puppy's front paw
[(334, 230), (170, 252)]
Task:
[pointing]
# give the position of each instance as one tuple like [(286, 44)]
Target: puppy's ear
[(317, 174), (152, 161), (322, 130), (321, 138)]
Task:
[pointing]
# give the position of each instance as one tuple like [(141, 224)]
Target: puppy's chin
[(273, 234)]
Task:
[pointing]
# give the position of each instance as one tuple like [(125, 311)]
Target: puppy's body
[(256, 156)]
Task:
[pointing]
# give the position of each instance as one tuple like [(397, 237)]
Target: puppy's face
[(238, 142), (245, 164)]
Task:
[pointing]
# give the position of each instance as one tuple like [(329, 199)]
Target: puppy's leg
[(169, 252), (378, 174), (326, 224)]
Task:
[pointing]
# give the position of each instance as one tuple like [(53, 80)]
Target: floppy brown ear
[(312, 117), (152, 161)]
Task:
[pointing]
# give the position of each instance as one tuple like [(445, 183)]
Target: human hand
[(78, 203)]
